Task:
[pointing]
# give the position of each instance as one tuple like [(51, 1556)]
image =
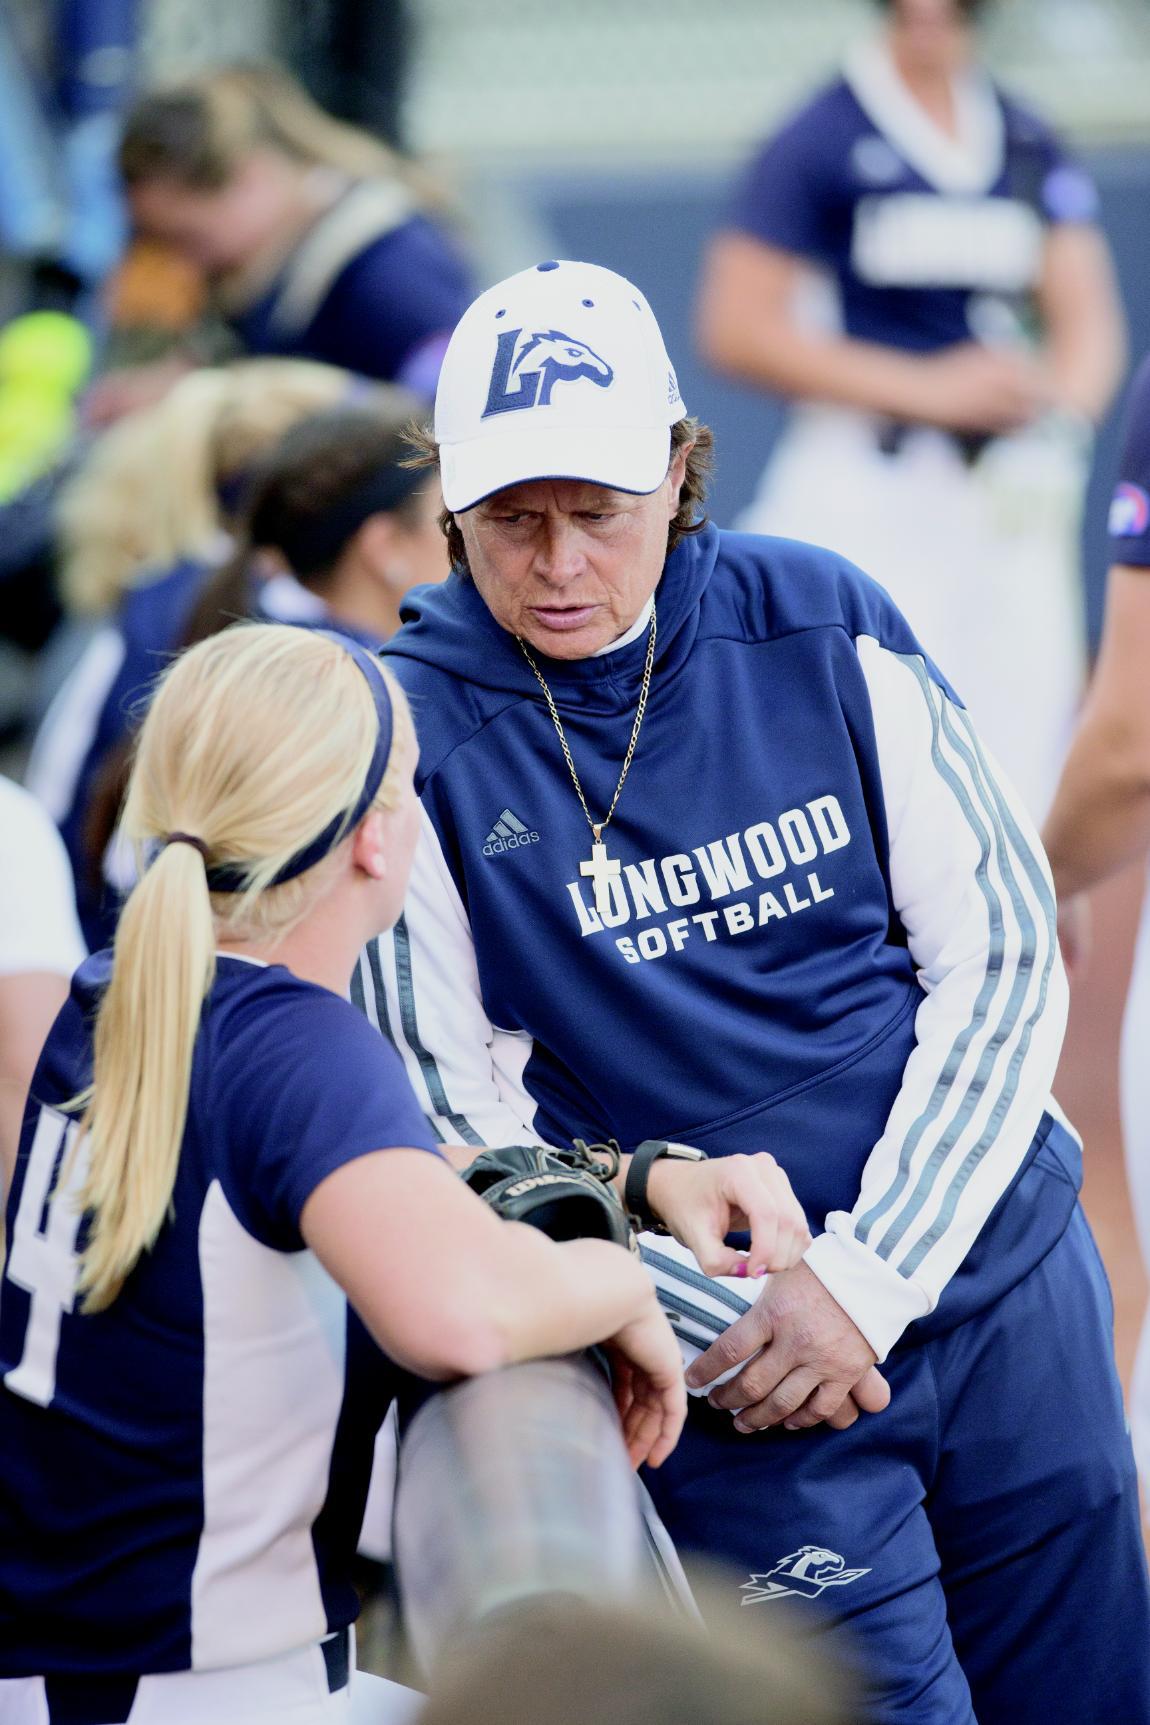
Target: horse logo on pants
[(806, 1571)]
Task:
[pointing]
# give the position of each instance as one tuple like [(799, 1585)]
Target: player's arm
[(1101, 815), (1084, 330), (973, 892), (28, 1004), (751, 327), (972, 888), (450, 1290)]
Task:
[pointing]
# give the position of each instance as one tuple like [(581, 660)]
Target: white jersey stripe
[(1035, 967), (270, 1419), (986, 1033)]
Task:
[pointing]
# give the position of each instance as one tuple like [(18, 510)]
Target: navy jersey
[(1130, 505), (930, 241), (374, 287), (185, 1472)]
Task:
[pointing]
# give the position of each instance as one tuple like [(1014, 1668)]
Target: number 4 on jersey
[(43, 1259)]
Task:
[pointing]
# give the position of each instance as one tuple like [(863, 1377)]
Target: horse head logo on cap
[(528, 365)]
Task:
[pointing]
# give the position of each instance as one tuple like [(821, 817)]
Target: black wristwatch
[(635, 1185)]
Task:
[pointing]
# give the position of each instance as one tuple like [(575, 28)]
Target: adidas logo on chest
[(508, 834)]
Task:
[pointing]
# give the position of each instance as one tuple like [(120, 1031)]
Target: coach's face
[(567, 565)]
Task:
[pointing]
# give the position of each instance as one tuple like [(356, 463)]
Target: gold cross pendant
[(602, 869)]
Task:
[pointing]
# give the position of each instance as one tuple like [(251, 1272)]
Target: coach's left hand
[(813, 1357), (702, 1202)]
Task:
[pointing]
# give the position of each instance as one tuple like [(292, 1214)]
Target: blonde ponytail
[(145, 1035), (257, 740)]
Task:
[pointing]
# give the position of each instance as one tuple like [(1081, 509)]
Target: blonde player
[(188, 1409)]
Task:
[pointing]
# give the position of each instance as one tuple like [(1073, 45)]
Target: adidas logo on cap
[(508, 834)]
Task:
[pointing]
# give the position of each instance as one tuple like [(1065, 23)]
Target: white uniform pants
[(981, 559)]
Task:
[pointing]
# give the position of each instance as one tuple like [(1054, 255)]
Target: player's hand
[(647, 1383), (979, 389), (813, 1359), (702, 1202), (1075, 935)]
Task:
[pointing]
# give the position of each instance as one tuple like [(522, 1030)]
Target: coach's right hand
[(702, 1202), (806, 1360)]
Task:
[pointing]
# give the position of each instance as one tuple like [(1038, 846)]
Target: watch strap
[(635, 1185)]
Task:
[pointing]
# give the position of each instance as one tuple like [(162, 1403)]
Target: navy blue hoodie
[(832, 937)]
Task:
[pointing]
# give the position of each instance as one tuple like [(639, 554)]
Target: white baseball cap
[(559, 372)]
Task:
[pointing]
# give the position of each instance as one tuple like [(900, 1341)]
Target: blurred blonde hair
[(257, 738), (198, 131), (145, 496), (554, 1660)]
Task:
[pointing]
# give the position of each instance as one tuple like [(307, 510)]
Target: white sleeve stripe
[(1022, 1031), (369, 997), (409, 1022), (359, 995), (421, 985), (379, 991), (1004, 1049), (1000, 1044), (951, 1065)]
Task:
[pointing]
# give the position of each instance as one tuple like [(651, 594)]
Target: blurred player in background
[(188, 1411), (147, 518), (319, 240), (945, 430), (1101, 817), (336, 527)]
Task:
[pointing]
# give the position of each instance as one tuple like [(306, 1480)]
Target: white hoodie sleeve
[(420, 985), (972, 888)]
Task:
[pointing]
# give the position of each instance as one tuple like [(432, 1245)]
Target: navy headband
[(233, 877)]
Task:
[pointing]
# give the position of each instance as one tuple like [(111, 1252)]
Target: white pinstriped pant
[(982, 560), (289, 1690)]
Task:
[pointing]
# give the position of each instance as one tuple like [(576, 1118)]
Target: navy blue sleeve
[(1130, 505), (306, 1085), (1044, 172), (787, 195), (400, 293)]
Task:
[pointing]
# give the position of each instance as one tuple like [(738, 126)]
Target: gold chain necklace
[(601, 868)]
